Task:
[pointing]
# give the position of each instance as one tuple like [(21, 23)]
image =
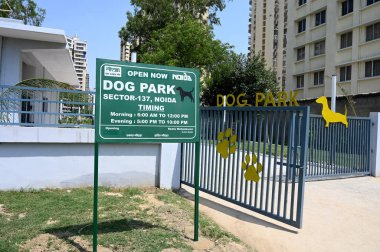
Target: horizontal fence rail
[(46, 107), (276, 136), (338, 151)]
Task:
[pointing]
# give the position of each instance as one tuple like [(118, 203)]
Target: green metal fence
[(46, 107), (338, 151), (277, 136)]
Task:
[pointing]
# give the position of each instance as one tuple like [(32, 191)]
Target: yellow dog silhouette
[(330, 116)]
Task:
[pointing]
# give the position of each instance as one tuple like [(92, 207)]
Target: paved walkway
[(339, 215)]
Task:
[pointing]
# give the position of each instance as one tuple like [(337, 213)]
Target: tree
[(25, 10), (238, 74), (186, 43), (151, 16)]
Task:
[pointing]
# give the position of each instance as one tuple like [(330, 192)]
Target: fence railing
[(338, 151), (46, 107), (274, 138)]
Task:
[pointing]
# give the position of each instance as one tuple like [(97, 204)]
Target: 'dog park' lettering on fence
[(268, 99)]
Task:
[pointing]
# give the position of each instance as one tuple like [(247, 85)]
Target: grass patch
[(128, 220)]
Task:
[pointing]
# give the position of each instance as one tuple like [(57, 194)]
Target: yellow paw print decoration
[(226, 143), (251, 172)]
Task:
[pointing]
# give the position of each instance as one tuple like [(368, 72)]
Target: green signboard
[(146, 103)]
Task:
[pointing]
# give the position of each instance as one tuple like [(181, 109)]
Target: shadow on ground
[(67, 232), (233, 212)]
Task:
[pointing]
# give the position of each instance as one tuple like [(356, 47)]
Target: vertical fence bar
[(294, 168), (288, 159), (238, 170), (202, 138), (368, 146), (262, 180), (233, 168), (303, 162), (229, 118), (253, 151), (214, 142), (220, 129), (283, 136), (244, 132), (249, 129), (269, 160), (258, 154), (275, 160)]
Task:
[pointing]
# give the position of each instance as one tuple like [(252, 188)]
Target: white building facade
[(78, 52), (329, 38)]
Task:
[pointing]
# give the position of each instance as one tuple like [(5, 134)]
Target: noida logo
[(112, 71), (182, 77)]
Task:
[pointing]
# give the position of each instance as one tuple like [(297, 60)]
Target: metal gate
[(338, 151), (274, 138)]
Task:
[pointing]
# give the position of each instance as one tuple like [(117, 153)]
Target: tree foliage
[(176, 33), (151, 16), (239, 74), (188, 43), (25, 10)]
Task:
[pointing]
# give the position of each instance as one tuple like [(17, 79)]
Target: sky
[(98, 23)]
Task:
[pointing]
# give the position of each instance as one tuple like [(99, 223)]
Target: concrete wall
[(363, 105), (59, 158)]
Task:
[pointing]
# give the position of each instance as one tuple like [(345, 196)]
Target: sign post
[(96, 189), (138, 103)]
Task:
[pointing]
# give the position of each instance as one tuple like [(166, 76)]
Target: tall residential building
[(333, 37), (268, 28), (125, 51), (78, 52)]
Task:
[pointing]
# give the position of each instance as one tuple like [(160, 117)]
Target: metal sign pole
[(95, 209), (196, 195)]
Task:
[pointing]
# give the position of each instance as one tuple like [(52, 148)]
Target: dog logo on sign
[(184, 94), (329, 115)]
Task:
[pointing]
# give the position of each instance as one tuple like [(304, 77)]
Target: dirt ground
[(339, 215)]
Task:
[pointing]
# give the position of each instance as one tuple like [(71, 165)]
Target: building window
[(346, 40), (372, 68), (319, 48), (369, 2), (373, 32), (320, 18), (301, 2), (301, 53), (345, 73), (45, 104), (300, 81), (347, 7), (319, 78), (302, 25)]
